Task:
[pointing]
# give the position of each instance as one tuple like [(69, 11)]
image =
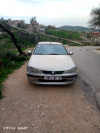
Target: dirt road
[(30, 108)]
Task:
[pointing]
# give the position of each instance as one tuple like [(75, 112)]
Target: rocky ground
[(28, 108)]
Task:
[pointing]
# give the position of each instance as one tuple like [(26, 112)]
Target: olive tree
[(13, 39), (95, 18)]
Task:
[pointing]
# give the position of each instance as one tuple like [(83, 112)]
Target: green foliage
[(25, 39), (5, 24), (21, 25), (32, 20), (3, 52), (11, 56), (95, 18), (44, 37), (5, 37), (73, 35)]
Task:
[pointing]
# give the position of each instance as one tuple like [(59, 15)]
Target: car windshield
[(50, 49)]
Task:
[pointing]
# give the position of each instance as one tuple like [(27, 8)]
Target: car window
[(50, 49)]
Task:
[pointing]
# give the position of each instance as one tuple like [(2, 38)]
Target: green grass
[(15, 51), (72, 35)]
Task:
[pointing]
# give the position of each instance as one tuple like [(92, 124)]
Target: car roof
[(50, 43)]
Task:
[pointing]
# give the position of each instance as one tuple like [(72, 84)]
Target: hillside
[(75, 28), (73, 35)]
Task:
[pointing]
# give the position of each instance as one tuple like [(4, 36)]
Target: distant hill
[(75, 28)]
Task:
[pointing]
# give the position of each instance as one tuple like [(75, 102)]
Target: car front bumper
[(38, 78)]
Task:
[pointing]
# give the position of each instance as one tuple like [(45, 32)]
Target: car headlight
[(71, 70), (33, 70)]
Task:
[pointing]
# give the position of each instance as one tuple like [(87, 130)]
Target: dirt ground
[(29, 108)]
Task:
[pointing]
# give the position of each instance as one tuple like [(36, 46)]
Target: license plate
[(52, 78)]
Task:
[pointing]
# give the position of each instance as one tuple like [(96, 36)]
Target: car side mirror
[(70, 53), (29, 52)]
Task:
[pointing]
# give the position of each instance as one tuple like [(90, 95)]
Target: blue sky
[(53, 12)]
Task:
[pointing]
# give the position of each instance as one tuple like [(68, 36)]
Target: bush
[(3, 52), (11, 56), (21, 58)]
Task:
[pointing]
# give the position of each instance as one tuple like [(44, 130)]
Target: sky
[(49, 12)]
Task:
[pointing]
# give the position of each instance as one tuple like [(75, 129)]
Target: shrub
[(21, 58), (11, 56), (3, 52)]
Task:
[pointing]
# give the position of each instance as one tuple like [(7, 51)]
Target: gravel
[(29, 108)]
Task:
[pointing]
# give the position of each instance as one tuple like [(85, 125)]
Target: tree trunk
[(13, 39)]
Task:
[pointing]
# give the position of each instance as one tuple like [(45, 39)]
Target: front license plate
[(52, 78)]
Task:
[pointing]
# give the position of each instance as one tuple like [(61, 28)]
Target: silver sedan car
[(51, 64)]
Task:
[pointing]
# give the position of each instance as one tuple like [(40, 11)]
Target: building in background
[(95, 37)]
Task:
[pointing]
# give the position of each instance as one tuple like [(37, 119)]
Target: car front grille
[(42, 80), (53, 72)]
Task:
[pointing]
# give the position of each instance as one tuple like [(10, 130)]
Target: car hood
[(51, 62)]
